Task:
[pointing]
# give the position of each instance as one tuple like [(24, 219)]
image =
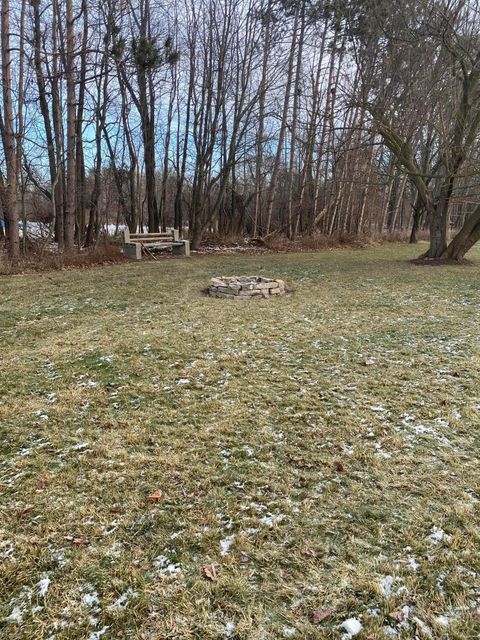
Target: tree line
[(250, 118)]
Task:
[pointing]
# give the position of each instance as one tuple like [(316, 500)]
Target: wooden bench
[(137, 243)]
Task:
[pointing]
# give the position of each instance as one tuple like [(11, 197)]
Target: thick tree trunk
[(80, 157), (257, 216), (56, 193), (57, 118), (8, 136), (439, 221), (283, 125), (417, 219), (296, 101), (69, 229), (468, 235)]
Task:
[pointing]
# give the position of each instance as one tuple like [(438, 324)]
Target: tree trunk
[(80, 159), (257, 216), (69, 230), (283, 126), (8, 136), (468, 235)]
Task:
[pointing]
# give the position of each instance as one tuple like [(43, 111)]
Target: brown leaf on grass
[(339, 467), (397, 615), (26, 511), (78, 542), (210, 572), (320, 615), (156, 496)]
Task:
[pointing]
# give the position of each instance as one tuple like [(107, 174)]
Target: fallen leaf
[(397, 615), (320, 615), (422, 628), (210, 572), (78, 542), (339, 467), (156, 496)]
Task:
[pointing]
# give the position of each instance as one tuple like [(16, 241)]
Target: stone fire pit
[(245, 287)]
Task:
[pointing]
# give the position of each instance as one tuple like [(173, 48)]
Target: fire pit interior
[(244, 287)]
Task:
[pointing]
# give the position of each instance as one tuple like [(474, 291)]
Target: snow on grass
[(43, 586), (225, 545), (96, 635), (166, 567), (90, 598), (16, 615), (122, 600), (271, 519), (391, 586), (438, 535), (352, 627)]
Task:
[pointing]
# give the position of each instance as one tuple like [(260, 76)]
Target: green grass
[(329, 432)]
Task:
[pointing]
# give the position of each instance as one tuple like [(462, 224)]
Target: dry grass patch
[(320, 450)]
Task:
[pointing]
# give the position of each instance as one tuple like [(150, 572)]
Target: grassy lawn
[(320, 450)]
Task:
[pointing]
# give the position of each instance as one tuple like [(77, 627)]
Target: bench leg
[(182, 249), (133, 250)]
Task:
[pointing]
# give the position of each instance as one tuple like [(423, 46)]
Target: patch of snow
[(439, 583), (271, 519), (289, 632), (90, 599), (352, 626), (16, 615), (43, 585), (438, 535), (166, 567), (8, 547), (96, 635), (122, 600), (390, 586), (225, 544), (229, 629), (79, 446), (176, 534)]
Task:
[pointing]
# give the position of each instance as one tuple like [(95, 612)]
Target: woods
[(299, 118)]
